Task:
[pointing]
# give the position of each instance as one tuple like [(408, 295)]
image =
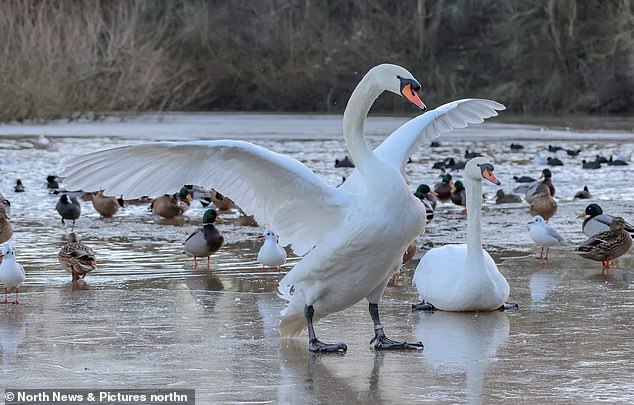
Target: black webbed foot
[(317, 346), (423, 306), (509, 306), (384, 343)]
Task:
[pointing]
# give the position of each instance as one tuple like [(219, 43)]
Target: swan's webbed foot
[(317, 346), (509, 306), (382, 342), (423, 306)]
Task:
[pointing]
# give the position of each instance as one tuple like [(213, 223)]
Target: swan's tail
[(293, 325), (293, 321)]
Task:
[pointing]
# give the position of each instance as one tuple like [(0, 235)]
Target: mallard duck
[(6, 204), (458, 194), (6, 229), (345, 162), (544, 235), (170, 206), (444, 187), (596, 221), (542, 203), (410, 252), (11, 273), (205, 240), (583, 194), (608, 245), (516, 146), (68, 207), (502, 198), (271, 254), (106, 206), (428, 198), (19, 187), (77, 258), (547, 177), (247, 220), (222, 203)]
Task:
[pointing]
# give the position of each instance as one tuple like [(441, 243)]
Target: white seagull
[(544, 235), (11, 273), (271, 253), (353, 237)]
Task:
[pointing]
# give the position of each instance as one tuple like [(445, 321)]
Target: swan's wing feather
[(280, 191), (408, 138)]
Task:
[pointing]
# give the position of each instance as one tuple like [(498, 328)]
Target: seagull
[(544, 236), (271, 254), (334, 228), (11, 273)]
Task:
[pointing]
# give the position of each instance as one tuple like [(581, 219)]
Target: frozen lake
[(147, 319)]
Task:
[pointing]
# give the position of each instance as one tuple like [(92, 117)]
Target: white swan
[(464, 277), (347, 258), (271, 253), (334, 228)]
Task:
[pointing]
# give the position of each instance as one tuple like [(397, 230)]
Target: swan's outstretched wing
[(408, 138), (280, 191)]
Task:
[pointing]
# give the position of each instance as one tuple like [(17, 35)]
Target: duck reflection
[(12, 332), (457, 342)]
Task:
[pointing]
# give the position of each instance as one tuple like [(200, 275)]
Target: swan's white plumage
[(463, 277), (409, 137), (277, 189)]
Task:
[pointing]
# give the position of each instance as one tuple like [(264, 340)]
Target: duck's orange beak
[(412, 96)]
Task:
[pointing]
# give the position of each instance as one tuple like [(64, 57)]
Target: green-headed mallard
[(547, 175), (6, 229), (596, 221), (608, 245), (205, 240), (106, 206), (458, 194), (77, 258), (542, 203), (428, 198), (444, 187), (171, 206)]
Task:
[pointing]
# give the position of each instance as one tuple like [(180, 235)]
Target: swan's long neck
[(354, 116), (473, 190)]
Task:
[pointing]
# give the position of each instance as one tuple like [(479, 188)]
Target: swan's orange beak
[(412, 96), (487, 174)]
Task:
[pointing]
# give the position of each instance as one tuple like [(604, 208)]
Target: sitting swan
[(463, 277)]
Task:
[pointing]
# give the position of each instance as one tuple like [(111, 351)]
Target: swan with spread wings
[(351, 237)]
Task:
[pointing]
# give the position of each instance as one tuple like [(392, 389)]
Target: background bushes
[(67, 58)]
